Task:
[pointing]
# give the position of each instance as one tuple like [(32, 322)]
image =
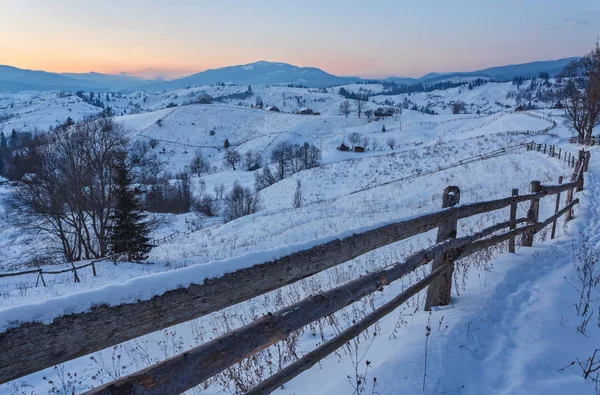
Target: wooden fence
[(595, 140), (41, 272), (31, 347)]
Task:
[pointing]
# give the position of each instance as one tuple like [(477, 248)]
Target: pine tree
[(13, 139), (226, 144), (129, 233)]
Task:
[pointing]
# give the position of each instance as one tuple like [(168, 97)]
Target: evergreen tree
[(129, 233), (14, 139), (3, 142), (4, 153), (226, 144)]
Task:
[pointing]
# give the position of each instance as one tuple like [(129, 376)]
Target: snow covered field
[(512, 325)]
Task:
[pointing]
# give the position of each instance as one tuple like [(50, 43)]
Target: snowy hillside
[(511, 328)]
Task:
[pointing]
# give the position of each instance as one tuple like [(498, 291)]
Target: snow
[(509, 330), (146, 287)]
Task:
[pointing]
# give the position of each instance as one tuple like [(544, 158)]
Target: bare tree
[(298, 195), (582, 94), (365, 142), (309, 156), (397, 112), (71, 198), (375, 144), (281, 156), (264, 179), (240, 202), (458, 107), (231, 158), (359, 104), (199, 164), (345, 108), (354, 138), (219, 191), (252, 160), (391, 142)]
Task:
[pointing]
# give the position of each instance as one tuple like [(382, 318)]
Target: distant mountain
[(110, 81), (262, 72), (499, 73), (13, 79)]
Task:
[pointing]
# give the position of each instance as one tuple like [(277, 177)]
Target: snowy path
[(514, 338), (510, 332)]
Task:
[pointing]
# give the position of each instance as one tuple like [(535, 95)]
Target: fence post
[(569, 214), (586, 161), (560, 180), (533, 214), (75, 275), (439, 291), (513, 219), (94, 268), (559, 153), (579, 165)]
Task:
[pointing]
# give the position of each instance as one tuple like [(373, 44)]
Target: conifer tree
[(129, 232)]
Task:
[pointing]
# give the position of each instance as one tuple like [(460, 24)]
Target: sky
[(160, 38)]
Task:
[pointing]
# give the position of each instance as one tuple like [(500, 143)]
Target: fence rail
[(73, 268), (33, 346), (591, 141)]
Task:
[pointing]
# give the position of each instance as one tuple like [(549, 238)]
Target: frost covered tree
[(391, 142), (354, 138)]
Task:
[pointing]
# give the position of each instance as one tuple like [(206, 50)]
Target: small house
[(343, 147), (305, 111)]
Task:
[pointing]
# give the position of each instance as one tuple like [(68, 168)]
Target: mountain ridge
[(13, 79)]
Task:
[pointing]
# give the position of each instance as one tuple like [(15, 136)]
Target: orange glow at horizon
[(341, 37)]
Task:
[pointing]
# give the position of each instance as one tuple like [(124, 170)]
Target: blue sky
[(367, 38)]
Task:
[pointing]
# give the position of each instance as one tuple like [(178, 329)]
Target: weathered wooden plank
[(485, 243), (195, 366), (20, 273), (34, 346), (313, 357), (558, 188)]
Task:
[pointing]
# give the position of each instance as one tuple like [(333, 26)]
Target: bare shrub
[(240, 202), (298, 195), (391, 142)]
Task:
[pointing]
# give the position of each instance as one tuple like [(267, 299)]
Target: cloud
[(158, 73), (583, 18)]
